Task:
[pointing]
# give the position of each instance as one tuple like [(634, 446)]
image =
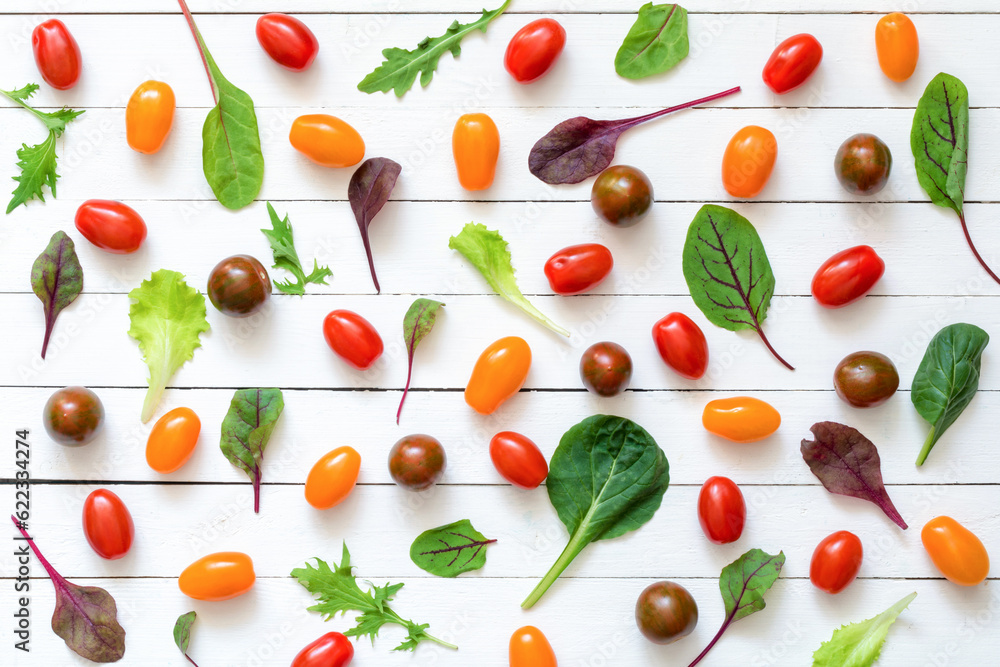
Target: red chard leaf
[(57, 279), (368, 192), (246, 429), (417, 323)]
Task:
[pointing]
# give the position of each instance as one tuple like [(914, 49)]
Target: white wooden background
[(803, 216)]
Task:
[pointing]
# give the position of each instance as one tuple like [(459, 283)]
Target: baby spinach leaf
[(606, 478), (655, 43), (450, 550), (859, 644), (727, 271), (252, 416), (56, 279), (368, 192), (417, 323), (285, 257), (947, 379), (182, 633)]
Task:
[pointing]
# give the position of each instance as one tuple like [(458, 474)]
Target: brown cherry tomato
[(353, 338), (57, 54), (518, 459), (327, 140), (865, 379), (578, 268), (239, 286), (499, 373), (836, 561), (847, 276), (331, 650), (73, 416), (748, 161), (218, 576), (682, 345), (530, 648), (721, 510), (534, 49), (172, 440), (333, 477), (111, 225), (417, 462), (897, 46), (956, 551), (149, 116), (475, 144), (665, 612), (288, 41), (740, 419), (606, 368), (792, 62), (862, 164), (622, 195), (107, 524)]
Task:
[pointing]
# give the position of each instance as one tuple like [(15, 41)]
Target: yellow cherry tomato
[(327, 140), (149, 116), (897, 45), (740, 419), (956, 551), (475, 144), (218, 576), (172, 440), (499, 373), (748, 161), (333, 477), (530, 648)]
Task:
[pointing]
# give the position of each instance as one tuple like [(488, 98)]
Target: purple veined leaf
[(182, 633), (848, 464), (368, 192), (417, 323), (246, 429), (57, 279), (578, 148), (85, 617)]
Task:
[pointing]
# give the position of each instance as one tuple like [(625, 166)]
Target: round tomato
[(792, 62), (218, 576), (239, 286), (518, 459), (499, 373), (530, 648), (172, 440), (865, 379), (847, 276), (682, 345), (748, 161), (288, 41), (475, 145), (862, 164), (73, 416), (107, 524), (111, 225), (533, 50), (327, 140), (740, 419), (333, 477), (665, 612), (331, 650), (956, 551), (622, 195), (897, 46), (353, 338), (416, 462), (577, 268), (57, 54), (721, 510), (149, 116), (606, 369), (836, 561)]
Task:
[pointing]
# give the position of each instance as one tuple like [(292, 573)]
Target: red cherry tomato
[(682, 345), (353, 338), (847, 276), (288, 41), (57, 54), (793, 61), (533, 50), (836, 561), (111, 225), (331, 650), (518, 459), (107, 524), (721, 510), (578, 268)]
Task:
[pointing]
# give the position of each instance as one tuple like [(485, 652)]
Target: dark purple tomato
[(665, 612), (606, 368), (865, 379), (863, 164), (73, 416), (239, 286), (416, 462), (622, 195)]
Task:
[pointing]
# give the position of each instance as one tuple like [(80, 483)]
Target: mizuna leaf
[(727, 271), (285, 257), (655, 43), (182, 633), (859, 644), (417, 323), (368, 192), (57, 279), (848, 464), (947, 379), (246, 429), (450, 550)]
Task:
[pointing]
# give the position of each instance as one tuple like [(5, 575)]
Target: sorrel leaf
[(655, 43), (182, 633), (286, 257), (450, 550), (56, 279), (369, 190), (417, 323), (859, 644), (246, 429)]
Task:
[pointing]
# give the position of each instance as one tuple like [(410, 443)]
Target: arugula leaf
[(246, 429), (859, 644), (56, 279), (401, 67), (182, 633), (417, 323), (285, 257), (655, 43), (450, 550)]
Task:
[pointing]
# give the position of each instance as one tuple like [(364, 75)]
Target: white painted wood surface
[(803, 217)]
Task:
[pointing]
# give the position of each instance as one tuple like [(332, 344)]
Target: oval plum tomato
[(740, 419), (499, 373), (327, 140), (748, 161), (897, 46), (606, 368), (331, 650), (956, 551), (149, 116), (57, 54), (665, 612), (288, 41), (239, 286), (518, 459), (219, 576), (333, 477), (865, 379), (530, 648), (73, 416), (682, 345), (792, 62), (416, 462), (353, 338), (862, 164), (172, 440), (533, 50), (107, 524), (836, 561), (847, 276), (111, 225), (621, 196), (475, 145), (721, 510), (577, 268)]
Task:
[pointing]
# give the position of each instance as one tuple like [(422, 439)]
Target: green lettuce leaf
[(859, 644)]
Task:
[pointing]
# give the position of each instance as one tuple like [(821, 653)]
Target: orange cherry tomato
[(172, 440), (149, 116), (327, 140), (218, 576), (748, 161), (956, 551), (499, 373), (530, 648), (107, 524), (897, 45), (333, 477), (475, 144), (740, 419)]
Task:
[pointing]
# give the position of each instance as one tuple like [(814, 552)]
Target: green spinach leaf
[(859, 644), (450, 550), (657, 41)]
